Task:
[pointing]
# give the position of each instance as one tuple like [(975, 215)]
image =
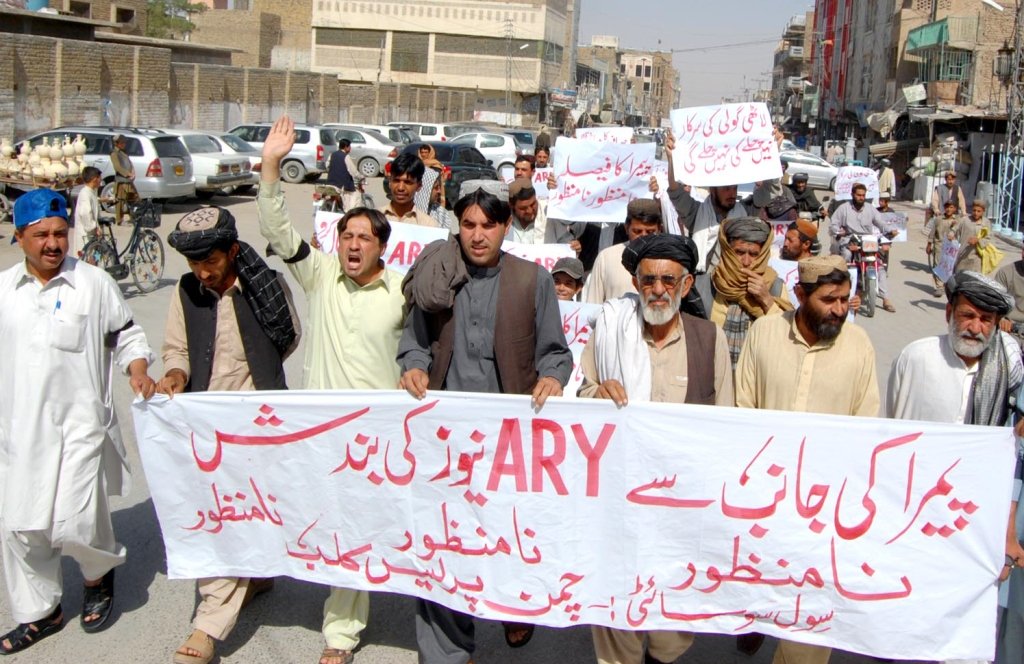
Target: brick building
[(266, 33)]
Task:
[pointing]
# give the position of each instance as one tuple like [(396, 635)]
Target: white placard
[(851, 175), (545, 255), (540, 183), (899, 221), (596, 181), (577, 323), (620, 135), (808, 528), (724, 145), (947, 260)]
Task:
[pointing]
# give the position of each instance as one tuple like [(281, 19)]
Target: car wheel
[(107, 194), (369, 167), (204, 194), (293, 172), (832, 185)]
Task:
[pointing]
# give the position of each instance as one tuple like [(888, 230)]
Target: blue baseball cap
[(37, 205)]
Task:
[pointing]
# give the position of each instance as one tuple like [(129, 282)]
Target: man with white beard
[(966, 376), (643, 348)]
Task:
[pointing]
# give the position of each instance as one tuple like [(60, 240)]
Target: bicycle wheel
[(100, 253), (147, 261)]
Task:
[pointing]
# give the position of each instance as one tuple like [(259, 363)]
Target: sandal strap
[(24, 635)]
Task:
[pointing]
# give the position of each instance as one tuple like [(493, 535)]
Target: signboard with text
[(596, 181), (807, 528), (725, 144)]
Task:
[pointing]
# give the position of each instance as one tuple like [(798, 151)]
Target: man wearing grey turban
[(970, 375)]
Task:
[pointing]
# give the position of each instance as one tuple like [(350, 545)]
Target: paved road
[(152, 613)]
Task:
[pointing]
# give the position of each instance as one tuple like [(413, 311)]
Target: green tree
[(171, 19)]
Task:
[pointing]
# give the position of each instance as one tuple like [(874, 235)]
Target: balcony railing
[(793, 53)]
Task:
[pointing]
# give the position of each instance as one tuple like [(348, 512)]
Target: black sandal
[(511, 627), (98, 600), (28, 634)]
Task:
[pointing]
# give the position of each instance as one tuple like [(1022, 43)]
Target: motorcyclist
[(806, 201), (858, 218)]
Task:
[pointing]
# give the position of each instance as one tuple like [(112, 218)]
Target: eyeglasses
[(667, 280)]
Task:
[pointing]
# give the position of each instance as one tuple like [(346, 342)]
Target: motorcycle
[(866, 257)]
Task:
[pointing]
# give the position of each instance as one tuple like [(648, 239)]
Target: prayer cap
[(816, 267), (748, 229), (800, 177), (643, 207), (37, 205), (518, 186), (496, 187), (806, 228), (201, 231), (982, 292), (571, 266), (676, 248), (885, 194)]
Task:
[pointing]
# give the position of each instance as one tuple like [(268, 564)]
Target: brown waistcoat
[(515, 338), (701, 336)]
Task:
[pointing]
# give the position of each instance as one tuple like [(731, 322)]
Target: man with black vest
[(643, 348), (230, 326), (480, 320), (343, 174)]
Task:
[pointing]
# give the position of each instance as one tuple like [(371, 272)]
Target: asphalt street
[(152, 614)]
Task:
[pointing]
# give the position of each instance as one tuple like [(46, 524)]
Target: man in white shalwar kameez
[(968, 376), (65, 325)]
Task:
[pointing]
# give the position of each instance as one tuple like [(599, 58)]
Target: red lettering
[(549, 263), (548, 462), (593, 454), (414, 251), (510, 440), (398, 255)]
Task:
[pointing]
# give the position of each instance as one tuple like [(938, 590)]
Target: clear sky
[(705, 76)]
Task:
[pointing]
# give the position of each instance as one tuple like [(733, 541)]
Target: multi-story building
[(602, 61), (510, 53), (267, 33), (791, 72), (650, 83), (954, 47)]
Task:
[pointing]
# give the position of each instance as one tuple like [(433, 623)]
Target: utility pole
[(508, 71), (1011, 167)]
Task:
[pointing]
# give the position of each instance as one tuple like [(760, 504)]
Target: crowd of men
[(696, 317)]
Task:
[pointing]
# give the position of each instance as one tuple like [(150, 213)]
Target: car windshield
[(169, 146), (381, 138), (200, 144), (442, 152), (237, 144)]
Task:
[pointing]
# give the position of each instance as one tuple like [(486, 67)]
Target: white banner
[(883, 537), (851, 175), (545, 255), (577, 324), (725, 144), (899, 220), (620, 135), (540, 183), (404, 245), (947, 259), (596, 181)]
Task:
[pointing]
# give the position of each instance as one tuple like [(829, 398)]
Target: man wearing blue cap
[(61, 453)]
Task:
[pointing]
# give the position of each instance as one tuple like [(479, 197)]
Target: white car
[(498, 149), (213, 169), (371, 150), (820, 173), (231, 144)]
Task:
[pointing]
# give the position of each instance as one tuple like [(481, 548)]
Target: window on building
[(647, 71), (80, 9), (409, 51), (647, 86), (622, 69), (639, 71), (124, 15)]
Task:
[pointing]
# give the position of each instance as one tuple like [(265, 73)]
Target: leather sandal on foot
[(199, 641), (513, 627), (336, 656), (28, 634), (98, 600)]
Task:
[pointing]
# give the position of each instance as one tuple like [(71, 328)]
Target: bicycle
[(142, 257)]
